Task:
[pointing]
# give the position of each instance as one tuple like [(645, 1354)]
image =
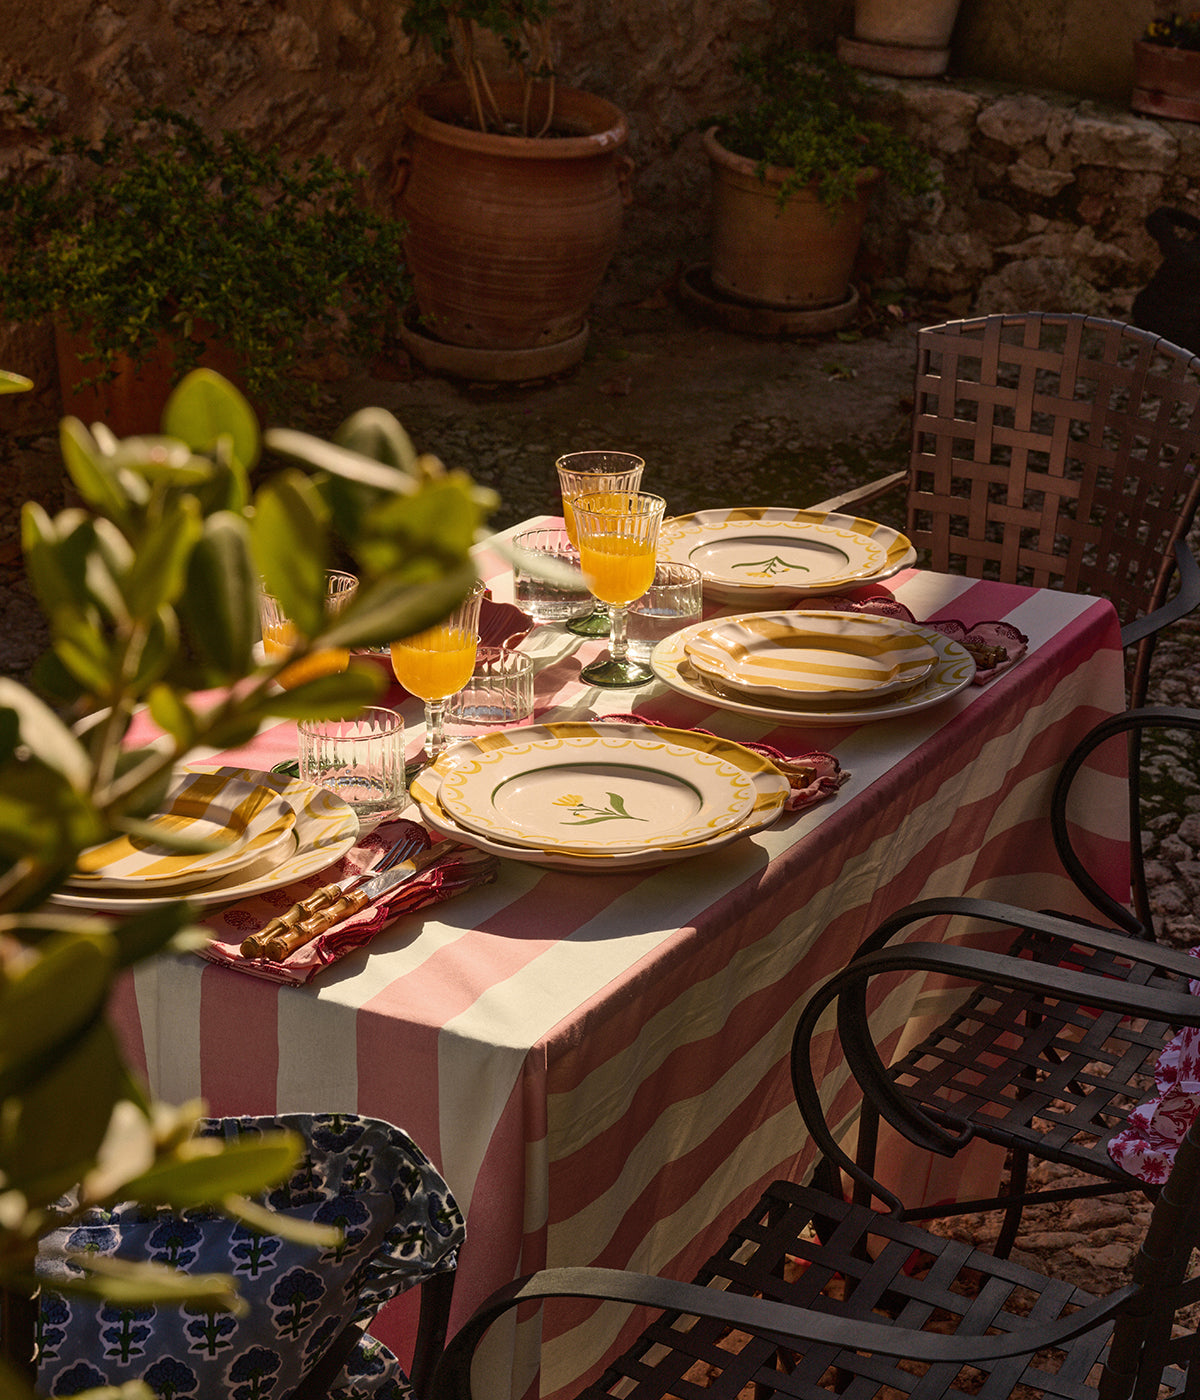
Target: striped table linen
[(597, 1064)]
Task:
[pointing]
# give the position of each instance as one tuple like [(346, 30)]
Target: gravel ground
[(720, 419)]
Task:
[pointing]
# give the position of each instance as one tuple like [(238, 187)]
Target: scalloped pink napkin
[(812, 775), (982, 639), (462, 868)]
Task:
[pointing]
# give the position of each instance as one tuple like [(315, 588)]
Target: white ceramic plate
[(811, 656), (601, 792), (770, 793), (324, 831), (252, 819), (952, 671), (763, 555)]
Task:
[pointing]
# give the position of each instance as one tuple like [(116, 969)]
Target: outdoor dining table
[(597, 1063)]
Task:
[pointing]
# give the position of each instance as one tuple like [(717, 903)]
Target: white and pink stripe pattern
[(598, 1064)]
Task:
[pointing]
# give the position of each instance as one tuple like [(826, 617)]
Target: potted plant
[(160, 247), (1166, 68), (512, 189), (793, 171), (908, 38), (149, 586)]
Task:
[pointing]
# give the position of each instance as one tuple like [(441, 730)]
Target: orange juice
[(617, 569), (436, 663), (569, 522), (280, 638)]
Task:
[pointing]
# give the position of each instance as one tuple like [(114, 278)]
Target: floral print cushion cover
[(400, 1226)]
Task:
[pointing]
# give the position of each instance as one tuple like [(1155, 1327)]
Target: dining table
[(597, 1061)]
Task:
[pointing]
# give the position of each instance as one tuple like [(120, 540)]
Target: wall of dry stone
[(1043, 198)]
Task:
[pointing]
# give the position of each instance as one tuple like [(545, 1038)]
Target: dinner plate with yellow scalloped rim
[(760, 555)]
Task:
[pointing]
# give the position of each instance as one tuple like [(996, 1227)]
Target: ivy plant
[(159, 227), (149, 587), (806, 113)]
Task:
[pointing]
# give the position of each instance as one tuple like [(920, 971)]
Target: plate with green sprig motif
[(752, 555), (603, 792)]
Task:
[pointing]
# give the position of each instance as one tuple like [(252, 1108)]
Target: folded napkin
[(462, 868), (1146, 1146), (993, 646), (811, 776)]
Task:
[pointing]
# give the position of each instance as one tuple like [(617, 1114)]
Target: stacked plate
[(756, 556), (599, 797), (814, 668), (272, 830)]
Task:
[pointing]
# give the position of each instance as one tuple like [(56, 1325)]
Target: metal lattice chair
[(1057, 451), (815, 1295), (1016, 1065)]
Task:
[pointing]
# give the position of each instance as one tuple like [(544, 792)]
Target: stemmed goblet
[(618, 536), (585, 473), (435, 664)]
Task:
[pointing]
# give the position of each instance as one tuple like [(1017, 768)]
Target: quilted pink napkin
[(812, 775), (994, 646), (462, 868)]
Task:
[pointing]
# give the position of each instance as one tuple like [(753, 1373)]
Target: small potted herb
[(1166, 68), (161, 246), (793, 170)]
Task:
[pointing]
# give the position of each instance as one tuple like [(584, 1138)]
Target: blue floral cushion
[(400, 1226)]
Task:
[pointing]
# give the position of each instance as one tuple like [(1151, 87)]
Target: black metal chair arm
[(848, 988), (1115, 941), (778, 1323), (1185, 600)]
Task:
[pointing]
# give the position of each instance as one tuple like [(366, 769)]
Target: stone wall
[(1043, 197)]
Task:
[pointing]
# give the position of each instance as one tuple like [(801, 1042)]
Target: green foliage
[(1175, 31), (150, 591), (163, 228), (451, 29), (807, 115)]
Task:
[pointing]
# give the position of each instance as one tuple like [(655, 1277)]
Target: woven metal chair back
[(1055, 451)]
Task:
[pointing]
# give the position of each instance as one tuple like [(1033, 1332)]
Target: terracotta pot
[(510, 236), (132, 401), (907, 38), (1166, 81), (800, 255)]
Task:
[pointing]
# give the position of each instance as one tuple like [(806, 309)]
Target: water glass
[(542, 600), (498, 695), (672, 601), (361, 760)]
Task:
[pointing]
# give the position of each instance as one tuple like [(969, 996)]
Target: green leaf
[(57, 552), (90, 472), (51, 1130), (377, 434), (173, 715), (128, 1284), (203, 408), (330, 697), (45, 735), (11, 383), (288, 537), (338, 461), (206, 1170), (289, 1227), (386, 611), (220, 604), (160, 565)]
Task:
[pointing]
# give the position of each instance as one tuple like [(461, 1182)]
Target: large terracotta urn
[(798, 254), (510, 236)]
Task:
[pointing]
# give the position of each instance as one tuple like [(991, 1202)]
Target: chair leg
[(1018, 1178), (437, 1293)]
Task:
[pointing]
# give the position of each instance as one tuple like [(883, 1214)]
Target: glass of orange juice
[(280, 635), (618, 538), (435, 664), (581, 474)]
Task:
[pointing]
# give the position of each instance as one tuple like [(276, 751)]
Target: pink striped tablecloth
[(598, 1063)]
